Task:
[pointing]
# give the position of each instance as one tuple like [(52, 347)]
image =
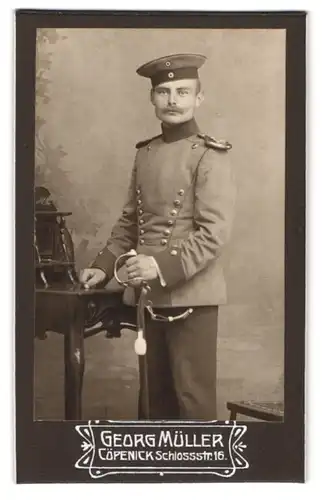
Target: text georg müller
[(117, 446)]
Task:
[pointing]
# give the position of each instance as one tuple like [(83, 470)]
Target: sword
[(140, 345)]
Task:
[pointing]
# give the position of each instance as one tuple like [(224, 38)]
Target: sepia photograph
[(160, 239), (159, 235)]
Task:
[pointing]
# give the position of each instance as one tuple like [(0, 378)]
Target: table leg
[(74, 359), (233, 415)]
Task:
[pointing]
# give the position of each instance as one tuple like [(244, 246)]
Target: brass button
[(140, 211), (177, 203), (170, 222), (181, 192), (141, 241), (194, 146), (138, 191), (166, 232), (141, 221), (164, 241), (141, 231), (139, 202), (174, 212), (173, 252)]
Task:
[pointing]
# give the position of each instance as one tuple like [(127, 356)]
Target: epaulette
[(211, 142), (141, 144)]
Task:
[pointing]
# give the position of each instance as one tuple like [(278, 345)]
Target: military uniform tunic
[(179, 210)]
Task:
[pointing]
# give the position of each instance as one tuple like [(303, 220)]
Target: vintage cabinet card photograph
[(160, 240)]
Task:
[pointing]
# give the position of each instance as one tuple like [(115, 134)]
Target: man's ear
[(200, 98), (152, 96)]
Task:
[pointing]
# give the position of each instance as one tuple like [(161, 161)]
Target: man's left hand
[(141, 267)]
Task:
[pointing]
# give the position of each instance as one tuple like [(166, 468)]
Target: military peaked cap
[(172, 67)]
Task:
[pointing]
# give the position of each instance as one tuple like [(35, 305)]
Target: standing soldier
[(178, 218)]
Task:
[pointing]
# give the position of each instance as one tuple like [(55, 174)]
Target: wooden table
[(63, 305), (63, 310)]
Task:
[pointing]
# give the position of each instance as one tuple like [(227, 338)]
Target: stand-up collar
[(180, 131)]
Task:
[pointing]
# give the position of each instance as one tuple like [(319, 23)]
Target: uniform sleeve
[(123, 235), (213, 214)]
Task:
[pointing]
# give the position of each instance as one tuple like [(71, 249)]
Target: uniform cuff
[(105, 260), (170, 266)]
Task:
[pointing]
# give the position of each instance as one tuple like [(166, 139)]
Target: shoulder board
[(211, 142), (141, 144)]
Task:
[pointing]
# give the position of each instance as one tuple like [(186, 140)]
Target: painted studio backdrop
[(91, 109)]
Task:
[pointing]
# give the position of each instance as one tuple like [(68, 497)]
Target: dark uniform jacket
[(179, 210)]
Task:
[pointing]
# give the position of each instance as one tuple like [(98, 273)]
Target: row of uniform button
[(166, 232), (173, 212), (164, 241), (140, 211), (170, 222), (180, 192)]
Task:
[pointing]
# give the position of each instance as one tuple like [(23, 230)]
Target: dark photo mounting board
[(80, 106)]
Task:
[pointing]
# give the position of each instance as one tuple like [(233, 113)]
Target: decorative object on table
[(55, 270)]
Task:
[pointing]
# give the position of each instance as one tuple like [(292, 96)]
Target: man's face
[(175, 102)]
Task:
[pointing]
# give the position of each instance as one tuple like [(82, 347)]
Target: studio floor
[(249, 367)]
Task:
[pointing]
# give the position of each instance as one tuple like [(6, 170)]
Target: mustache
[(173, 109)]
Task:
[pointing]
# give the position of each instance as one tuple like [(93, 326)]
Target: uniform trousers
[(180, 366)]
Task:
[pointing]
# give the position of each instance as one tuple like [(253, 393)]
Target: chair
[(268, 411)]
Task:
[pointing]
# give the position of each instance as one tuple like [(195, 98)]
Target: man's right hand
[(92, 277)]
